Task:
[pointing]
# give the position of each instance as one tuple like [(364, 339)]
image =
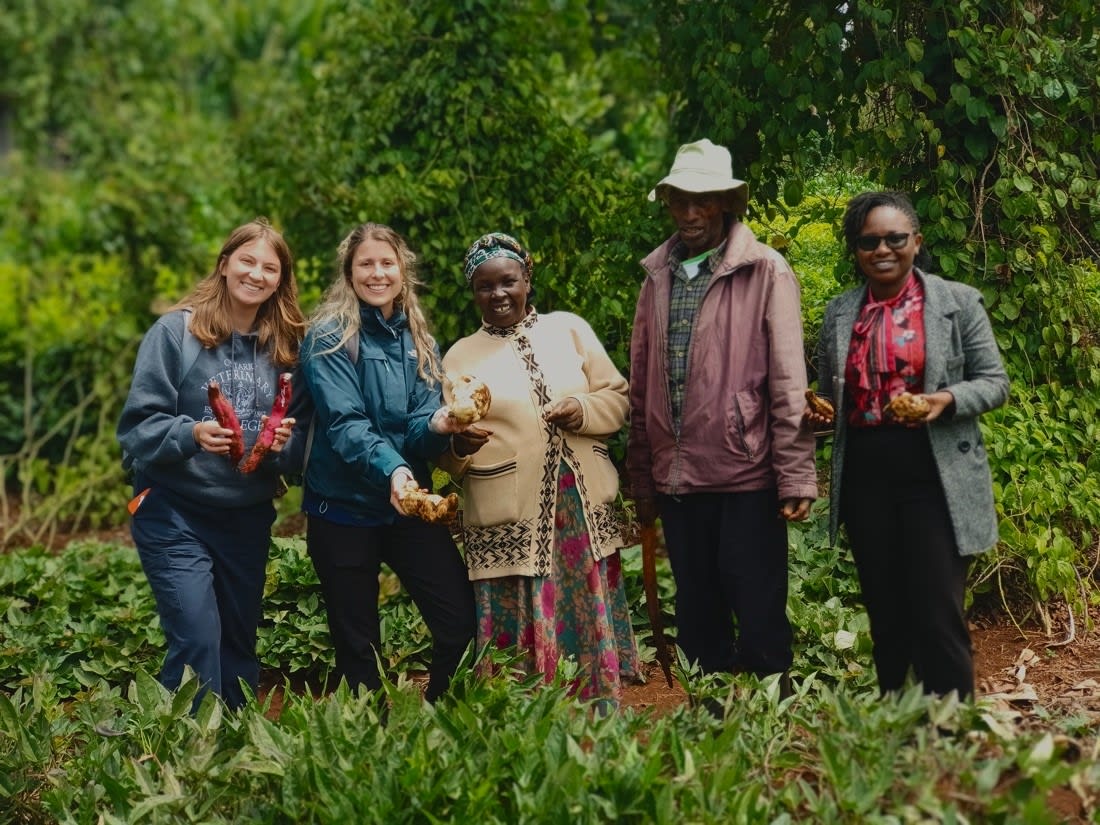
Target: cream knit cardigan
[(509, 487)]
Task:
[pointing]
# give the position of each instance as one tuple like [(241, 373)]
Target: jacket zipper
[(687, 383), (663, 349)]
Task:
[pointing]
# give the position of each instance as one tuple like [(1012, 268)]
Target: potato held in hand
[(819, 406), (908, 408), (427, 506), (266, 439), (471, 400), (227, 417)]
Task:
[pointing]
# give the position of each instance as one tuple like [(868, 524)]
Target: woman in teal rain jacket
[(373, 370)]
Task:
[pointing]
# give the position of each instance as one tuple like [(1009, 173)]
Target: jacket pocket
[(605, 482), (491, 494), (746, 425), (955, 369)]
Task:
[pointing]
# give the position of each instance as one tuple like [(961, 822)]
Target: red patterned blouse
[(886, 354)]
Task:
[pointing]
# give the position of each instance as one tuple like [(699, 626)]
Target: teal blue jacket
[(371, 417)]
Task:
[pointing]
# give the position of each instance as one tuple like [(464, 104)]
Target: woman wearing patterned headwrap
[(542, 538)]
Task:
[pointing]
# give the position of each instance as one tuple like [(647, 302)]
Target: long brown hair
[(340, 305), (279, 321)]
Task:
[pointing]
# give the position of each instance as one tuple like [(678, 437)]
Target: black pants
[(425, 559), (910, 571), (729, 556)]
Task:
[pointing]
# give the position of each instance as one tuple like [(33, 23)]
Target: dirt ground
[(1016, 669)]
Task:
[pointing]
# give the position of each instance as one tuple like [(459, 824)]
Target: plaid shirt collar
[(680, 254)]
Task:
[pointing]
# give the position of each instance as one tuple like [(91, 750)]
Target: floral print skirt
[(579, 611)]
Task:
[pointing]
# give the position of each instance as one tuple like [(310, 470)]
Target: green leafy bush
[(86, 734), (504, 751), (986, 112)]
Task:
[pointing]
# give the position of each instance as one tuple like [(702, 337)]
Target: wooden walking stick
[(649, 580)]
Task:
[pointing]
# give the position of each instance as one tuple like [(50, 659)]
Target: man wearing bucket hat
[(716, 447)]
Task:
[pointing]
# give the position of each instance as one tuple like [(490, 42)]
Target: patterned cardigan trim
[(507, 547)]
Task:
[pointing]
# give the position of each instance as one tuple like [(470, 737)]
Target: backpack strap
[(351, 347), (192, 346)]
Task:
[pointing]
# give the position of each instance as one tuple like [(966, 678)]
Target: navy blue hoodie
[(156, 427)]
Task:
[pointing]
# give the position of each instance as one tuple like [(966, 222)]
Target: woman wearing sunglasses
[(913, 491)]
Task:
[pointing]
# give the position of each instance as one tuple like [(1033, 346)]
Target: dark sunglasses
[(894, 240)]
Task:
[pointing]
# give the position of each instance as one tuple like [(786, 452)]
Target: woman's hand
[(939, 402), (212, 437), (815, 419), (399, 481), (567, 414), (819, 410), (441, 422), (470, 440), (282, 433)]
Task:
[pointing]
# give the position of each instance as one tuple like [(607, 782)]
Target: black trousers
[(425, 559), (728, 553), (911, 574)]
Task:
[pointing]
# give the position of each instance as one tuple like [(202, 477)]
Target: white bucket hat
[(704, 167)]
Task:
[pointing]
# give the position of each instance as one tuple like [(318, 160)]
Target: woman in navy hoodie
[(373, 369), (202, 527)]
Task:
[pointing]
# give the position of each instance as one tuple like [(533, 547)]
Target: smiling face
[(699, 216), (500, 287), (376, 275), (885, 268), (252, 273)]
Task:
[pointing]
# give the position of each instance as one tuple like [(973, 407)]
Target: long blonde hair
[(279, 321), (339, 306)]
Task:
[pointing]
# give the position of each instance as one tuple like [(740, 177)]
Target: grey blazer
[(960, 356)]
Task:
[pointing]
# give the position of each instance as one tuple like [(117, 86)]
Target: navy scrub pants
[(910, 572), (206, 567), (425, 559), (728, 553)]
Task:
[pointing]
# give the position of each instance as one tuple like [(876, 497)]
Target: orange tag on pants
[(135, 502)]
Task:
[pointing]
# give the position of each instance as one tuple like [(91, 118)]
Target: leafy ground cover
[(86, 733)]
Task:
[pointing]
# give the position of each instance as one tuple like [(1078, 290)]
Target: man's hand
[(795, 509)]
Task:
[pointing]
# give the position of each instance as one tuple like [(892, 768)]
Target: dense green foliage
[(988, 112), (86, 732), (133, 136)]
